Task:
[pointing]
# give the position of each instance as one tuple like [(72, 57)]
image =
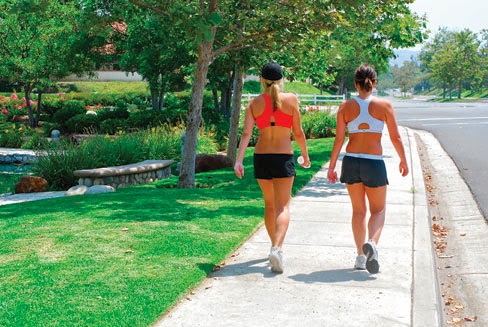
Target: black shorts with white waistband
[(273, 165), (370, 172)]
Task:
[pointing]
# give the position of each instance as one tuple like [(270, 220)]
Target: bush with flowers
[(13, 107)]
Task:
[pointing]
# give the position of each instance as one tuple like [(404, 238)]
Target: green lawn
[(125, 258)]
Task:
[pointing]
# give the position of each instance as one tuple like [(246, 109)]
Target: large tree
[(161, 58), (467, 59), (40, 42), (406, 76), (452, 58), (483, 51), (220, 26)]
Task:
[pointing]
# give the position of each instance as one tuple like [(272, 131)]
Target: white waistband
[(365, 156)]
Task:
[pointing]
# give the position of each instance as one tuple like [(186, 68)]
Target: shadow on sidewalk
[(245, 268), (333, 276)]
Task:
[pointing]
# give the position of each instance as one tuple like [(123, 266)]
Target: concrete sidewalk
[(319, 286)]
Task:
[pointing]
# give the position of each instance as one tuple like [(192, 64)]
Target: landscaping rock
[(97, 189), (209, 162), (31, 184), (77, 190)]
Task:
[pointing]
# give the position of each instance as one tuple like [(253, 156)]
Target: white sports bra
[(375, 125)]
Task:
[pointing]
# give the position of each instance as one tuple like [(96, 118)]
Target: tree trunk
[(27, 93), (187, 167), (342, 85), (215, 96), (161, 100), (459, 89), (154, 98), (236, 112), (38, 108), (228, 93)]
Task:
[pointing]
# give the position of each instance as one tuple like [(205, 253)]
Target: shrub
[(68, 110), (51, 105), (82, 123), (113, 125), (163, 142), (318, 124), (113, 113), (56, 165), (11, 136), (36, 141), (146, 119)]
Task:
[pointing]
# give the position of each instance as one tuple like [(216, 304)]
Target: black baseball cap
[(272, 71)]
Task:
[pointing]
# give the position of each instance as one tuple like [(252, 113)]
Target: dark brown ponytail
[(365, 76)]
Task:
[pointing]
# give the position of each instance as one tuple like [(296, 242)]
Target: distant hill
[(403, 55)]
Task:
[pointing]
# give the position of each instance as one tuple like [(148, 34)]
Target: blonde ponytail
[(273, 89)]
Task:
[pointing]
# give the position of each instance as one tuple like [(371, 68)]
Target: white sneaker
[(276, 259), (369, 249), (360, 262)]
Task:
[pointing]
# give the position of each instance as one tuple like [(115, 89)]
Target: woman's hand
[(332, 176), (403, 168), (239, 169), (304, 161)]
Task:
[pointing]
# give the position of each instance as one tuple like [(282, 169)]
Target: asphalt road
[(461, 129)]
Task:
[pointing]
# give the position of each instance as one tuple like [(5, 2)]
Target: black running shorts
[(370, 172), (269, 166)]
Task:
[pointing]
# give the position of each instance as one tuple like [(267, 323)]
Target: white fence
[(310, 99)]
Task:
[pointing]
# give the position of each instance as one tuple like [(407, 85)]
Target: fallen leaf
[(455, 320), (128, 251), (462, 234), (445, 256), (473, 318), (125, 229)]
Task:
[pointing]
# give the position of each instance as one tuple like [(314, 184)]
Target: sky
[(454, 14)]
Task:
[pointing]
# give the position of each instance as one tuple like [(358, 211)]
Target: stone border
[(16, 156), (142, 172)]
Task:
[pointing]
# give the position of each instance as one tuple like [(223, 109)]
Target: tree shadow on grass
[(140, 205)]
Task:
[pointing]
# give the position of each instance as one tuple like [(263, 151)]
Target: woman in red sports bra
[(276, 115)]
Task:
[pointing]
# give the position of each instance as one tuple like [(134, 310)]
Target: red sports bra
[(280, 118)]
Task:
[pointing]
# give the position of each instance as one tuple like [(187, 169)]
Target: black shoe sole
[(372, 265)]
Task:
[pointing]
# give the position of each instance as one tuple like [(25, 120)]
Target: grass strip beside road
[(125, 258)]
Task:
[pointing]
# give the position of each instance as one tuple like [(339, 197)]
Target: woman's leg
[(266, 186), (282, 193), (377, 205), (357, 195)]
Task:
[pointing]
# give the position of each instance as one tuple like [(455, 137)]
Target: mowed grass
[(125, 258)]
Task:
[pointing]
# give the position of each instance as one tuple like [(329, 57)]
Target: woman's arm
[(298, 133), (245, 137), (338, 142), (395, 138)]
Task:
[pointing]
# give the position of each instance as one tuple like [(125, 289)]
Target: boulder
[(77, 190), (209, 162), (97, 189), (31, 184)]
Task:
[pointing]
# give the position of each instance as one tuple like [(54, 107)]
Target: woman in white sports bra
[(363, 169)]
